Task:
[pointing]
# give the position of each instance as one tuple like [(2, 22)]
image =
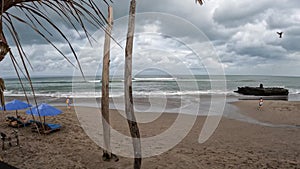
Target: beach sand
[(234, 144)]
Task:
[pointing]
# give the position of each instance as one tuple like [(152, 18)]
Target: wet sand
[(234, 144)]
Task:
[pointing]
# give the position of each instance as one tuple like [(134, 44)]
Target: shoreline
[(241, 110)]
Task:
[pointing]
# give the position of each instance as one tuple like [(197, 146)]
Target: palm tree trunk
[(105, 88), (2, 88), (134, 130)]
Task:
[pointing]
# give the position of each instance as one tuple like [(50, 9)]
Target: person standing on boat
[(260, 103)]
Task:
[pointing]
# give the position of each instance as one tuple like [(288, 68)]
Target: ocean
[(189, 94), (192, 95), (58, 87)]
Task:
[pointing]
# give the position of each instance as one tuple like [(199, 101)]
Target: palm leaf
[(34, 14), (78, 14)]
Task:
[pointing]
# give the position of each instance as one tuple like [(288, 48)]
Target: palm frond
[(15, 64), (35, 14)]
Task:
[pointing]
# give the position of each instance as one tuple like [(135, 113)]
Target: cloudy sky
[(180, 37)]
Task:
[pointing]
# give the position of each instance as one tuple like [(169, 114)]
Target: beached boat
[(261, 91)]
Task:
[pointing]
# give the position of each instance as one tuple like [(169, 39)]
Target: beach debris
[(280, 34)]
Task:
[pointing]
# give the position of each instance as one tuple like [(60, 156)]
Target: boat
[(262, 91)]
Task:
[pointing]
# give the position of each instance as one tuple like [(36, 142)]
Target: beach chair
[(48, 127), (16, 122)]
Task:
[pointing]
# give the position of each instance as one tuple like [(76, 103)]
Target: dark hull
[(257, 91), (248, 97)]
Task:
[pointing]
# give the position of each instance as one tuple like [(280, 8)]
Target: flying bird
[(280, 34), (199, 1)]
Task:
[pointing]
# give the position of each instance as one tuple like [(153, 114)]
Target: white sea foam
[(155, 79), (116, 94)]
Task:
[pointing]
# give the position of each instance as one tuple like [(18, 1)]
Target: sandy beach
[(234, 144)]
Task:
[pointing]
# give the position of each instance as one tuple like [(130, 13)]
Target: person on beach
[(68, 102), (260, 103)]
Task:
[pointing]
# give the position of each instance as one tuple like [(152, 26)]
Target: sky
[(231, 37)]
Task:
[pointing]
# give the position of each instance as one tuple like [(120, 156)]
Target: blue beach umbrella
[(16, 105), (44, 110)]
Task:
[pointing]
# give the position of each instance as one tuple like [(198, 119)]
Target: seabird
[(280, 34)]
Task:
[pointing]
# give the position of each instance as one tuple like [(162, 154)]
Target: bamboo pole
[(107, 154), (133, 126)]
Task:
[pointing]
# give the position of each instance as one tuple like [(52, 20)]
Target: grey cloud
[(266, 51), (242, 32), (292, 44), (234, 12)]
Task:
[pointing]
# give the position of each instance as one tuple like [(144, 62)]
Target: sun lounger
[(48, 127), (16, 122)]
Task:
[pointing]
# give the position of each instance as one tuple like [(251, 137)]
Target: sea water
[(152, 93), (148, 85)]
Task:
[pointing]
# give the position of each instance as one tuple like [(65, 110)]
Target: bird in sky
[(280, 34)]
